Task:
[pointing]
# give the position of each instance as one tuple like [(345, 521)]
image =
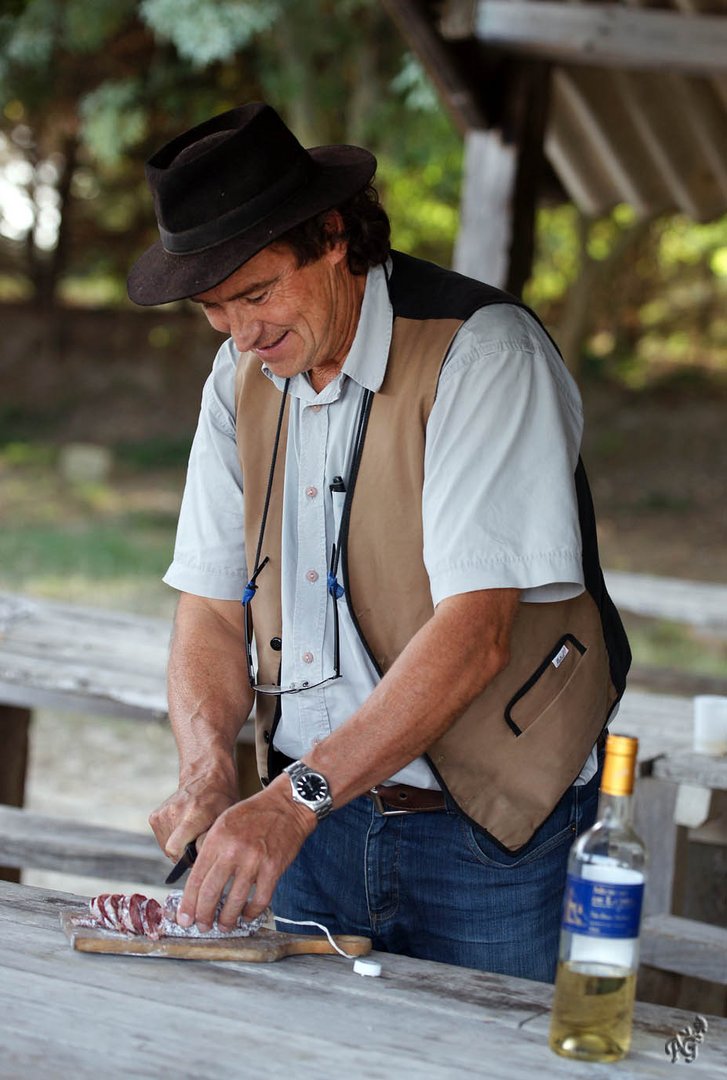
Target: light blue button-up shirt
[(499, 504)]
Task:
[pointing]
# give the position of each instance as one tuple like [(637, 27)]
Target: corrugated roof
[(654, 139)]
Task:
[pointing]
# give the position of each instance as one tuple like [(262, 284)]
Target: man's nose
[(244, 331)]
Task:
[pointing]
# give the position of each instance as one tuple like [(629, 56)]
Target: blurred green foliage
[(656, 290), (155, 453), (90, 91)]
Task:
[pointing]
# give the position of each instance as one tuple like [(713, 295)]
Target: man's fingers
[(234, 903), (264, 889), (202, 893), (178, 840), (184, 833)]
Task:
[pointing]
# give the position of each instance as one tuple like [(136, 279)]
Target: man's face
[(293, 318)]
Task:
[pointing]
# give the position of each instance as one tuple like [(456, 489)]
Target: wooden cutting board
[(261, 948)]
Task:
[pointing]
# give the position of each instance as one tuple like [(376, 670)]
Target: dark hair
[(365, 227)]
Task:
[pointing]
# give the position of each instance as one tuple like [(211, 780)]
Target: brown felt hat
[(226, 189)]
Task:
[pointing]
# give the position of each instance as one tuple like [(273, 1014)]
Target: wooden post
[(14, 730), (503, 168)]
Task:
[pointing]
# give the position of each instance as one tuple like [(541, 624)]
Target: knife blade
[(181, 867)]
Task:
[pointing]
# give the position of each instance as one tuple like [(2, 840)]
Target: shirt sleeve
[(499, 503), (209, 553)]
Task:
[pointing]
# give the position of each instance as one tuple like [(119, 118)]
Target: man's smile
[(267, 351)]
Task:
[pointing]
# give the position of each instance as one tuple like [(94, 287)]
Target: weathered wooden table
[(73, 1015)]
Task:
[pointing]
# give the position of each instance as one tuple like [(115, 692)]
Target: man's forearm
[(445, 666), (209, 694)]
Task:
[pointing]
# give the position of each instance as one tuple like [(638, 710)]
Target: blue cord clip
[(333, 586)]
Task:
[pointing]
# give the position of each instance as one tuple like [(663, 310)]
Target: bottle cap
[(367, 967), (620, 765)]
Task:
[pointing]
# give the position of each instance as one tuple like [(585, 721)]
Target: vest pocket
[(544, 685)]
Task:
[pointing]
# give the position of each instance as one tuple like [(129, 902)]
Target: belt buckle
[(380, 806)]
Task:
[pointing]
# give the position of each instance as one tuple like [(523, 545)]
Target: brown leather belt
[(403, 799)]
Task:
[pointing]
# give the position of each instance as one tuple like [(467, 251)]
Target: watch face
[(311, 787)]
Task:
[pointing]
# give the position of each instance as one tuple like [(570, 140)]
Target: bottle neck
[(615, 810)]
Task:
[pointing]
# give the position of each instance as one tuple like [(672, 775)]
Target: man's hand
[(192, 810), (250, 845)]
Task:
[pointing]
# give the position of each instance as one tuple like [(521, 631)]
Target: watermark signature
[(685, 1043)]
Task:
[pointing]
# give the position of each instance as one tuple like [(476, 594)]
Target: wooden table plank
[(65, 655), (129, 1016), (662, 723), (88, 660), (690, 768)]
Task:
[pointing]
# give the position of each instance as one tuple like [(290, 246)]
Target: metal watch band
[(322, 804)]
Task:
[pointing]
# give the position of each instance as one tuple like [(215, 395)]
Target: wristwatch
[(310, 789)]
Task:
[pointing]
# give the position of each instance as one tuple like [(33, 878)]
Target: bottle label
[(602, 908)]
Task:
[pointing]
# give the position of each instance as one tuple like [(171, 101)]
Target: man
[(386, 470)]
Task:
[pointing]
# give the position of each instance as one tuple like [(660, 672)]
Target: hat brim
[(159, 277)]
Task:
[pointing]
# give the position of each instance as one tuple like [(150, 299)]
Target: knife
[(186, 861)]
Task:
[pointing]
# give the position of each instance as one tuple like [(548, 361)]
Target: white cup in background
[(710, 724)]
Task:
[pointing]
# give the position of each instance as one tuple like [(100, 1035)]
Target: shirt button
[(311, 492), (308, 658), (315, 408), (311, 575)]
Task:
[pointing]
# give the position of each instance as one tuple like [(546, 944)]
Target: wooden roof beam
[(420, 33), (606, 35), (719, 82)]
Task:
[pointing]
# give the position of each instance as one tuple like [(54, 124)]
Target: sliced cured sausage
[(141, 915)]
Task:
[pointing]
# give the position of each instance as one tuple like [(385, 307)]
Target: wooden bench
[(696, 603), (40, 842), (685, 947)]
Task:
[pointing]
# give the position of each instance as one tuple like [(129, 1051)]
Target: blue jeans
[(432, 886)]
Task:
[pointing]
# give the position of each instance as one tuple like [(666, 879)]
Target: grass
[(115, 563), (106, 543), (92, 549), (671, 645)]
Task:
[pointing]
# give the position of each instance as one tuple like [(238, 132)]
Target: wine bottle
[(599, 941)]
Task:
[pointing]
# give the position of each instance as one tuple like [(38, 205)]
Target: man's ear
[(336, 235)]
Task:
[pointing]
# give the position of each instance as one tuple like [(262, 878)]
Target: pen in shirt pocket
[(337, 484)]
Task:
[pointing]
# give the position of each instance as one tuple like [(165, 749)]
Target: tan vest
[(509, 758)]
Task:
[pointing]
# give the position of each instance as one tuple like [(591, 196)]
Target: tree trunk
[(575, 321), (365, 88), (583, 296), (302, 103)]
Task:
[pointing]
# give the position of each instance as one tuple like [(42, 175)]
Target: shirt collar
[(369, 352)]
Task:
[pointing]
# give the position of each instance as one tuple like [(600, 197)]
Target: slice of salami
[(108, 907), (135, 901), (153, 916), (94, 907), (125, 914), (116, 900)]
